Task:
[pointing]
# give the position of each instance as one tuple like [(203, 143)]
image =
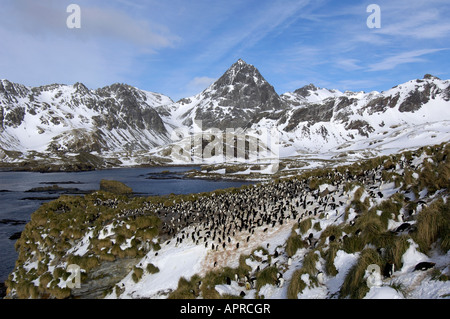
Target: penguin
[(280, 282), (424, 266), (389, 269)]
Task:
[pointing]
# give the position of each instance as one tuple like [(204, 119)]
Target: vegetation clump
[(115, 187)]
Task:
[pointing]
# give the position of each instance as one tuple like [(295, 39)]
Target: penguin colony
[(227, 221), (215, 220)]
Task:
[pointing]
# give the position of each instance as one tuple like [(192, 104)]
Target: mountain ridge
[(136, 127)]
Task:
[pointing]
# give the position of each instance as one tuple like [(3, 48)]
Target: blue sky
[(179, 47)]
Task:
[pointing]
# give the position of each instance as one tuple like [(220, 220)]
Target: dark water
[(17, 203)]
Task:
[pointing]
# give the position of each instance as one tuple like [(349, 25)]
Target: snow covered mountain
[(314, 120), (131, 126), (61, 119), (321, 119)]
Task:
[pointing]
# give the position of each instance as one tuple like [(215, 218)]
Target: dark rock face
[(447, 94), (430, 77), (243, 86), (381, 104), (129, 107), (14, 117), (363, 127), (243, 92), (15, 236), (11, 91), (416, 99), (306, 90), (2, 290), (103, 278), (1, 118), (312, 114)]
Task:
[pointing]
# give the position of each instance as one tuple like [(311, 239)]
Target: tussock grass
[(433, 223), (187, 289), (331, 230), (358, 193), (266, 276), (305, 225), (396, 246), (85, 262), (296, 285), (294, 243), (152, 269), (115, 187), (390, 209), (330, 254), (137, 274)]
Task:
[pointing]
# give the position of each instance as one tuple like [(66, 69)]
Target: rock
[(2, 290), (15, 236), (104, 277), (430, 77), (13, 222)]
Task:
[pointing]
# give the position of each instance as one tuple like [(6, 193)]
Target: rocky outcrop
[(104, 278), (234, 100)]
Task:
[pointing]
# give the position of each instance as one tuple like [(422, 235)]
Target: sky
[(179, 47)]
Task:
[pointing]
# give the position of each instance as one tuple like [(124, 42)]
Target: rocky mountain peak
[(10, 89), (306, 90), (243, 92), (241, 73), (430, 77), (81, 88), (243, 86)]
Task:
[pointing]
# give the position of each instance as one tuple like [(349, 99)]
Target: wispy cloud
[(104, 22), (428, 23), (402, 58), (348, 64), (253, 26), (179, 47), (38, 48), (200, 83)]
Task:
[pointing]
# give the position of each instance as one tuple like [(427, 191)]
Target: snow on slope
[(55, 117), (186, 259)]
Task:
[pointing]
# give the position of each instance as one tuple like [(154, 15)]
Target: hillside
[(313, 235)]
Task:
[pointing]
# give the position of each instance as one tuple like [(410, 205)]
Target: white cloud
[(38, 48), (419, 23), (348, 64), (200, 83), (391, 62), (104, 22), (251, 28)]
